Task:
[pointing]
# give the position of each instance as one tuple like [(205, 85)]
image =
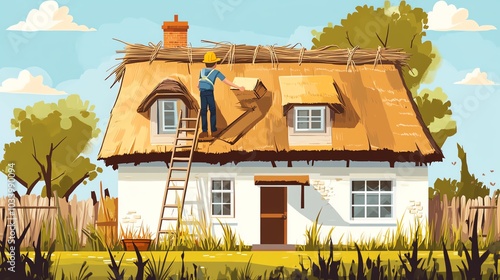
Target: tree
[(397, 27), (52, 140), (436, 114), (468, 186)]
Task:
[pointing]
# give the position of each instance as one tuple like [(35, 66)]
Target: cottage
[(328, 130)]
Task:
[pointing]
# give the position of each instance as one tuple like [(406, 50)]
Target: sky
[(51, 49)]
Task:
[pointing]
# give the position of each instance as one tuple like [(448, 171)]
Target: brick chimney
[(175, 33)]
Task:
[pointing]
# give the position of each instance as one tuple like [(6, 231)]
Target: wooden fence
[(44, 216), (456, 214)]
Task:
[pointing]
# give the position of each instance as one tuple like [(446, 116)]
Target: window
[(167, 116), (222, 197), (309, 119), (371, 199)]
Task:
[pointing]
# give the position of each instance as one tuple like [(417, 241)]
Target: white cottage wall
[(141, 188)]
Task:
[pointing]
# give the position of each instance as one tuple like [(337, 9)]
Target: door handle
[(284, 216)]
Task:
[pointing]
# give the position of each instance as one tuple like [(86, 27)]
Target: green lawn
[(217, 263)]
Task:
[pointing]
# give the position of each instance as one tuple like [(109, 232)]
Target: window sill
[(374, 222), (230, 220)]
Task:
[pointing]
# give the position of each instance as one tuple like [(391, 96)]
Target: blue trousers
[(208, 101)]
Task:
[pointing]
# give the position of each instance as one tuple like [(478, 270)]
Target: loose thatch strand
[(250, 54)]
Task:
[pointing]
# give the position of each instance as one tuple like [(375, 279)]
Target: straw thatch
[(379, 122), (309, 90)]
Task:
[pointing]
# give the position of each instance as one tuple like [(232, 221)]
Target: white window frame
[(161, 116), (310, 109), (222, 191), (365, 192)]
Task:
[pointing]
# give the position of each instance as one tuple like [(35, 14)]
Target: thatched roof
[(309, 90), (168, 88), (379, 122)]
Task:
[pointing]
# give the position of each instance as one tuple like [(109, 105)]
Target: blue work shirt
[(205, 85)]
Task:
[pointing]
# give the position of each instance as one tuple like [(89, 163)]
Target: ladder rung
[(187, 129), (177, 179), (179, 168), (181, 158), (169, 219), (175, 188), (185, 138), (166, 231), (170, 206), (189, 119), (183, 146)]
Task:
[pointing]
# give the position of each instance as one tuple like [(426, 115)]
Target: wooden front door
[(273, 217)]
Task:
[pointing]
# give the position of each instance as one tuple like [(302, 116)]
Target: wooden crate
[(254, 88)]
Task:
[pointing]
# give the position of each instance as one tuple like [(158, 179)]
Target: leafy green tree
[(401, 27), (52, 140), (436, 114), (468, 186)]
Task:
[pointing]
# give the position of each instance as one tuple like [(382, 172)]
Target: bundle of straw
[(232, 53)]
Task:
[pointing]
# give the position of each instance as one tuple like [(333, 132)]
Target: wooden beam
[(290, 163), (391, 164), (273, 163), (270, 180), (302, 197), (347, 163), (312, 162)]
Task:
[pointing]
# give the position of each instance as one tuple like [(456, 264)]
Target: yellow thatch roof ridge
[(234, 54)]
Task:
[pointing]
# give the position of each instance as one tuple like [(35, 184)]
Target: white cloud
[(49, 17), (444, 17), (476, 77), (27, 83)]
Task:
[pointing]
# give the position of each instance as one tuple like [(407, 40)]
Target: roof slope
[(379, 121)]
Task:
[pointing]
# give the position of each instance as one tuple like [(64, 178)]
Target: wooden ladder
[(171, 210)]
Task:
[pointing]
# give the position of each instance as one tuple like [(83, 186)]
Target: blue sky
[(77, 62)]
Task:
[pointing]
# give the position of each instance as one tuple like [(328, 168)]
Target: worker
[(206, 83)]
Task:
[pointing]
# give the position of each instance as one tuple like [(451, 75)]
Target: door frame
[(285, 223)]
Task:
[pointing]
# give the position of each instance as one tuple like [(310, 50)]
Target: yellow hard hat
[(210, 57)]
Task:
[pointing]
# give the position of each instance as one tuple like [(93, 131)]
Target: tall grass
[(198, 235), (313, 236)]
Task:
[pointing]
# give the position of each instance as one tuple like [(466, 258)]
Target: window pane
[(216, 209), (216, 197), (358, 211), (372, 211), (303, 125), (315, 112), (302, 112), (168, 105), (169, 119), (358, 199), (372, 199), (372, 185), (303, 119), (226, 209), (358, 186), (386, 186), (316, 125), (316, 119), (216, 185), (386, 212), (226, 185), (385, 199), (226, 197)]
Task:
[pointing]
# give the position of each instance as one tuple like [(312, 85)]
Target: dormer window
[(309, 119), (167, 116), (163, 106)]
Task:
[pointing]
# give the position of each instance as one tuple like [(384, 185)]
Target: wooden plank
[(269, 180)]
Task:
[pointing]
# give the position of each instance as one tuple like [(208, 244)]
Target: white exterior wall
[(141, 189)]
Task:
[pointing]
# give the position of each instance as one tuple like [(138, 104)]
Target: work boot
[(215, 133), (203, 135)]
